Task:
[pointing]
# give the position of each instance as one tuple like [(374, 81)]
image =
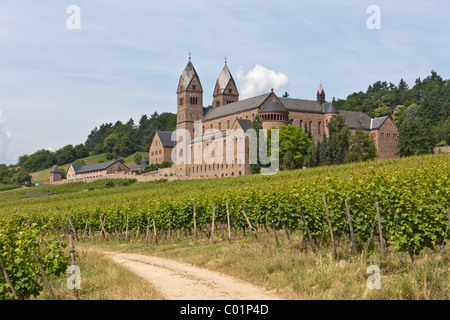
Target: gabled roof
[(356, 119), (378, 122), (188, 74), (55, 169), (245, 124), (224, 78), (166, 139), (235, 107), (83, 168), (301, 105), (273, 106)]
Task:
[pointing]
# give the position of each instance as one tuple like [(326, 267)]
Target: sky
[(65, 71)]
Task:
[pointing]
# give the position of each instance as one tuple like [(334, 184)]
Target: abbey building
[(228, 113)]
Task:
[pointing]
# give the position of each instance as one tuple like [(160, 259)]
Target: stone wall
[(386, 140), (442, 149)]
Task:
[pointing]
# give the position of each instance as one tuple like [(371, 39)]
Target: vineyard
[(403, 203)]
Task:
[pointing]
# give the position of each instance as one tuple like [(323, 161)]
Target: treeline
[(421, 112), (116, 140), (11, 177)]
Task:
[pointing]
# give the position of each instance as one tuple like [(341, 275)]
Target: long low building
[(89, 172)]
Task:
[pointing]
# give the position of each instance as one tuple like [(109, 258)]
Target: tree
[(288, 161), (362, 147), (295, 141), (441, 132), (137, 158), (110, 142), (414, 135), (310, 159), (23, 177), (338, 143)]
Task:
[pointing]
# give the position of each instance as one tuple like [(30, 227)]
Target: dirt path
[(181, 281)]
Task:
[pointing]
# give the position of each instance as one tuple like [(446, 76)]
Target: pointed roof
[(320, 88), (272, 106), (166, 139), (55, 169), (224, 78), (235, 107), (245, 124), (188, 74)]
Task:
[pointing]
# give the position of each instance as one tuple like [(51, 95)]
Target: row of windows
[(192, 100), (274, 117), (207, 167), (388, 135), (156, 152)]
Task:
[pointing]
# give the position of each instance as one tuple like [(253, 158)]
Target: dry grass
[(295, 273), (102, 279)]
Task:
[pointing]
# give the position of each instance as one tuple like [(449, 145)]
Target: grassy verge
[(102, 279), (296, 273)]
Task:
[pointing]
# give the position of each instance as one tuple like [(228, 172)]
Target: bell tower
[(189, 99), (321, 94), (225, 91)]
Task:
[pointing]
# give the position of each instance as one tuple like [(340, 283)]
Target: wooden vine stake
[(195, 225), (274, 230), (313, 247), (148, 230), (5, 275), (154, 230), (212, 224), (71, 227), (331, 227), (103, 228), (350, 225), (72, 255), (383, 249), (85, 229), (44, 276), (284, 226), (229, 225), (249, 224), (126, 232)]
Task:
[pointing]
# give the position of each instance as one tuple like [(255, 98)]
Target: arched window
[(228, 124), (310, 126), (318, 128), (220, 126)]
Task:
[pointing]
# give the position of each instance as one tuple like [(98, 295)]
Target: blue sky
[(57, 84)]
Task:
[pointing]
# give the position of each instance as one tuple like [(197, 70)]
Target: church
[(228, 114)]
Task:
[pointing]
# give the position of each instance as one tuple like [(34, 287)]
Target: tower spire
[(321, 94)]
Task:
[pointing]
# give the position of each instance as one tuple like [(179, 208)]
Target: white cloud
[(260, 80)]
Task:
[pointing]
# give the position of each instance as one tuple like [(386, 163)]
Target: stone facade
[(55, 175), (158, 151), (386, 140)]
